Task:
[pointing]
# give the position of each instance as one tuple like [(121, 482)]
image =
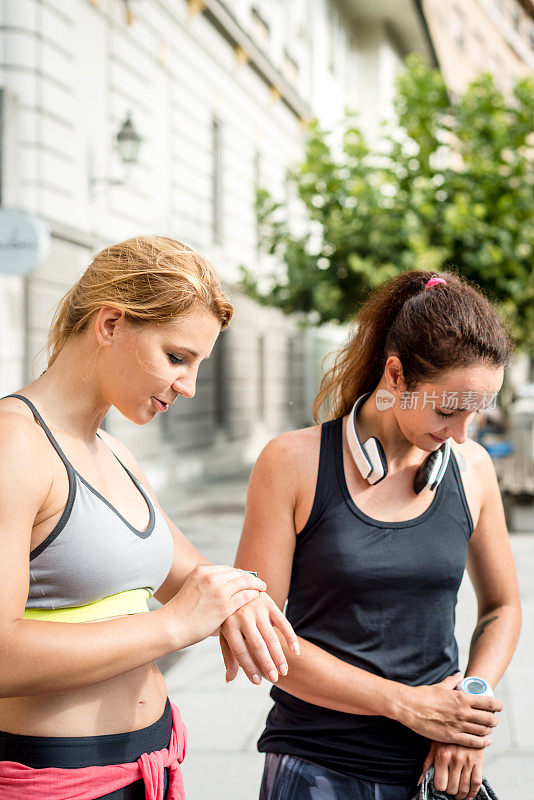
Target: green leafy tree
[(451, 184)]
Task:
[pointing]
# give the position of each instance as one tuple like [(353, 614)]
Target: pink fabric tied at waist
[(87, 783)]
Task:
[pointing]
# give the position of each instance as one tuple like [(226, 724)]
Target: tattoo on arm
[(479, 630)]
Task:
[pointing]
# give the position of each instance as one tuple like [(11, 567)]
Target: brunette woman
[(364, 524)]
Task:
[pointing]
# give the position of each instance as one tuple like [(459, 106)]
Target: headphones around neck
[(370, 457)]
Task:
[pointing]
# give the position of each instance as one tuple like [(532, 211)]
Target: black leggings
[(73, 752), (290, 778)]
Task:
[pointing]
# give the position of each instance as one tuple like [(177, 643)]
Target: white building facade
[(220, 93)]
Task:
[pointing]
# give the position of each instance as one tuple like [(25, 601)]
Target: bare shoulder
[(288, 465), (21, 440), (26, 463), (293, 448)]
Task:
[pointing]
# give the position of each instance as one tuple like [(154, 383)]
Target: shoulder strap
[(326, 478), (45, 428)]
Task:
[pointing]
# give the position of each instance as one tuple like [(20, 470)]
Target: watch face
[(475, 686)]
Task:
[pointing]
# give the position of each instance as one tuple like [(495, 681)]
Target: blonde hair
[(151, 278)]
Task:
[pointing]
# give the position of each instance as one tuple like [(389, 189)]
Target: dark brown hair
[(431, 331)]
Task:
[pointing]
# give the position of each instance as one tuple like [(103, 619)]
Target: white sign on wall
[(24, 241)]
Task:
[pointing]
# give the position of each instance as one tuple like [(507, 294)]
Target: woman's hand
[(248, 639), (209, 595), (458, 770), (448, 716)]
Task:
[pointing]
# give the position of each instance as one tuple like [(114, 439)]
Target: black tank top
[(380, 596)]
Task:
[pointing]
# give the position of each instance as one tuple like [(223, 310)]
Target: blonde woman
[(83, 707)]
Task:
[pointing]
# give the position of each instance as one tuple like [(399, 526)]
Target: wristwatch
[(475, 685)]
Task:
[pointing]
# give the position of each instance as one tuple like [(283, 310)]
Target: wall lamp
[(128, 142)]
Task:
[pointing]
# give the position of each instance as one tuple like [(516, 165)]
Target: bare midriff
[(127, 702)]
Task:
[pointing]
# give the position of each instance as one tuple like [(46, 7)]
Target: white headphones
[(372, 463)]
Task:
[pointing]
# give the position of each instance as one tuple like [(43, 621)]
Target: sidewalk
[(224, 721)]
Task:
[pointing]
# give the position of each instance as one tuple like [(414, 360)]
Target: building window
[(216, 187), (291, 67), (261, 27)]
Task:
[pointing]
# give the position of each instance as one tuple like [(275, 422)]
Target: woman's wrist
[(169, 629), (385, 698), (398, 702)]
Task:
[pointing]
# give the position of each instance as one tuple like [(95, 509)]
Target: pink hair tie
[(434, 281)]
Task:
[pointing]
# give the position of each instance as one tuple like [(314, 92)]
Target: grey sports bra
[(94, 564)]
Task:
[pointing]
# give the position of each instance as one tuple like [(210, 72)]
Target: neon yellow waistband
[(132, 601)]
